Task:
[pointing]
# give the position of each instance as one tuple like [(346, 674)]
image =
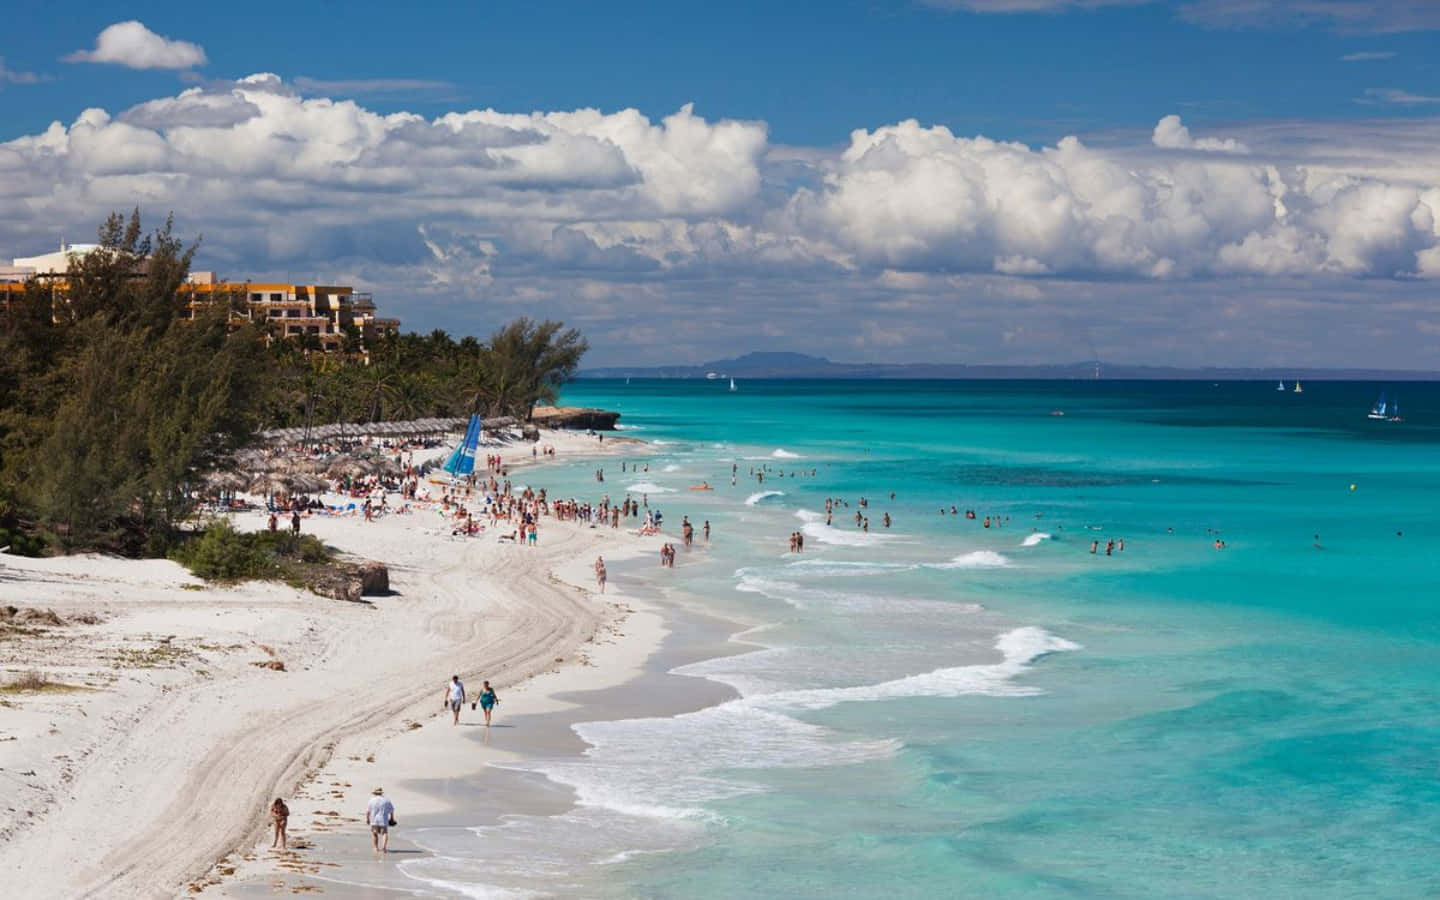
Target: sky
[(1202, 182)]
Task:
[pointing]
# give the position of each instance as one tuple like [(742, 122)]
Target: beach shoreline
[(166, 717), (473, 777)]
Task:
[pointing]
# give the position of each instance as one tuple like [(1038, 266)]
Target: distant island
[(801, 365)]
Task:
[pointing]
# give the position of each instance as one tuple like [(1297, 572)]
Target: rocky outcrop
[(575, 417), (351, 581), (374, 579)]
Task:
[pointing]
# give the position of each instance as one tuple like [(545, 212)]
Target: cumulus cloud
[(906, 197), (195, 108), (1172, 134), (134, 46), (578, 213)]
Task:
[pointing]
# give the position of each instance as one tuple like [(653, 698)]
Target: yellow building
[(293, 310), (325, 312)]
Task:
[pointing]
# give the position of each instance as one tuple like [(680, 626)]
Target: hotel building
[(325, 312)]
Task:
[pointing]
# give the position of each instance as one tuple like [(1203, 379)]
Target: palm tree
[(409, 397)]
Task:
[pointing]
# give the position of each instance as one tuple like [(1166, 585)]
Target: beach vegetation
[(118, 395), (36, 682), (223, 554)]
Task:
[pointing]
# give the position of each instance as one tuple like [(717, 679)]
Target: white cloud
[(133, 45), (1172, 134), (10, 76), (1369, 55), (193, 107), (476, 213), (1397, 97), (905, 197)]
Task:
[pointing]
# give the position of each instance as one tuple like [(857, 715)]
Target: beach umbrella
[(225, 481), (310, 484), (270, 483)]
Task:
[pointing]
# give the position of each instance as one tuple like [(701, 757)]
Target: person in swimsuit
[(280, 816), (488, 701)]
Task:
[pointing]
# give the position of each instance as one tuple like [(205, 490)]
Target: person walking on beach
[(488, 701), (380, 816), (455, 697), (280, 816), (295, 521), (600, 573)]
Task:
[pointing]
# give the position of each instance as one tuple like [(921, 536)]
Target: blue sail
[(462, 460)]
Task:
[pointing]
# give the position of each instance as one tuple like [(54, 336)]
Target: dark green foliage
[(223, 554), (115, 402)]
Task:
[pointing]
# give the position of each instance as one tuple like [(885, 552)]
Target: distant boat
[(1281, 387), (1378, 410), (1298, 388), (1395, 412), (732, 384)]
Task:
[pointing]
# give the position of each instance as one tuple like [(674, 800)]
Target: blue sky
[(812, 70), (760, 220)]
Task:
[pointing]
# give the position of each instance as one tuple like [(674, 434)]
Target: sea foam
[(649, 487), (816, 528), (1019, 648), (1033, 539), (762, 495), (975, 559), (782, 453)]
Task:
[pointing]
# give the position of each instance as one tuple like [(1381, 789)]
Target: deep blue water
[(942, 709)]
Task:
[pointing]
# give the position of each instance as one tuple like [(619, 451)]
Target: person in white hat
[(380, 816)]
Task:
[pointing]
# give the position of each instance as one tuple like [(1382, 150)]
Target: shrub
[(224, 554)]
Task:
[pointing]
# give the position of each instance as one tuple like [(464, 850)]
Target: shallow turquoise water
[(1172, 720)]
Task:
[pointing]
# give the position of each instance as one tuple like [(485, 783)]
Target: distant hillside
[(799, 365)]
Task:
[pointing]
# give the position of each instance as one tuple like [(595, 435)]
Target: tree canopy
[(114, 401)]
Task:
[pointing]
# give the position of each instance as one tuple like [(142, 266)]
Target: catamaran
[(1282, 385), (1395, 412), (732, 384), (461, 461), (1378, 410), (1298, 388)]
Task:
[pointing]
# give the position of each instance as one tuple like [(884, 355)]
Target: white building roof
[(54, 263)]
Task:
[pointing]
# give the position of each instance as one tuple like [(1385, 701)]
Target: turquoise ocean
[(938, 708)]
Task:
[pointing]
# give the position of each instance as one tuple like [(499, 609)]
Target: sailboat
[(461, 461), (1378, 410), (732, 384), (1395, 412), (1282, 385), (1298, 388)]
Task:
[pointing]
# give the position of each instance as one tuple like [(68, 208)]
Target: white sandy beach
[(151, 774)]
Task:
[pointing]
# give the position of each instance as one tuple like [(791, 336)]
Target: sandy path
[(177, 782)]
